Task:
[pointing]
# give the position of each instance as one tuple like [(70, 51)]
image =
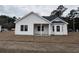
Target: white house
[(33, 24)]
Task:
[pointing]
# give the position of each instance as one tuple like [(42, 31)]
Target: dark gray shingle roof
[(50, 18)]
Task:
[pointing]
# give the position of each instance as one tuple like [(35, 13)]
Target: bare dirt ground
[(9, 42)]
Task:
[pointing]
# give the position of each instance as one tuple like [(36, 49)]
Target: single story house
[(34, 24)]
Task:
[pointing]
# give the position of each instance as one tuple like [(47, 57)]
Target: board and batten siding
[(29, 21)]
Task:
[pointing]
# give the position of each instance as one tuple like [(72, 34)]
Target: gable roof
[(58, 20), (51, 18), (30, 14)]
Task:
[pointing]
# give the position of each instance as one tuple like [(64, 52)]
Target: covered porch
[(41, 29)]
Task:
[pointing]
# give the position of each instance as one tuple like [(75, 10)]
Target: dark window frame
[(42, 28), (53, 28), (58, 28), (38, 28), (24, 28)]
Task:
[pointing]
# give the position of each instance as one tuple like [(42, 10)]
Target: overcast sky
[(21, 10)]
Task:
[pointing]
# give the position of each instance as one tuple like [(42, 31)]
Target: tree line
[(7, 22)]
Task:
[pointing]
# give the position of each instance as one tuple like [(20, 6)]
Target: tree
[(7, 22), (59, 11), (72, 16)]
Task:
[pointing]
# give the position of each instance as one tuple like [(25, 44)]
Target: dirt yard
[(9, 42)]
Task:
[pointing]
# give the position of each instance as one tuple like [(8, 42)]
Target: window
[(38, 28), (24, 28), (58, 28), (42, 28), (53, 28)]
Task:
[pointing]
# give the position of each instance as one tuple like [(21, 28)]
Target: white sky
[(21, 10)]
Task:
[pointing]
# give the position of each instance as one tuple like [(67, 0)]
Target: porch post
[(33, 29), (55, 29), (41, 29), (49, 30)]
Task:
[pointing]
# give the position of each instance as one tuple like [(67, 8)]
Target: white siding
[(30, 21), (63, 29), (34, 19)]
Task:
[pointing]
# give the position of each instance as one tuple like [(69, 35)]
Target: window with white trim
[(24, 28), (58, 28), (53, 28), (40, 29)]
